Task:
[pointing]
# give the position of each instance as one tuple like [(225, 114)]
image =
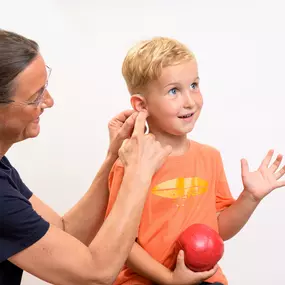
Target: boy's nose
[(189, 102)]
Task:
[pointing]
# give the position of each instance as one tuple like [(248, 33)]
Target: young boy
[(191, 187)]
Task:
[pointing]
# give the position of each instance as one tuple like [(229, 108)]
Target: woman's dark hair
[(16, 53)]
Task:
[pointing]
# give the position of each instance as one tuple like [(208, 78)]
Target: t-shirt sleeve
[(224, 196), (25, 191), (20, 225), (115, 180)]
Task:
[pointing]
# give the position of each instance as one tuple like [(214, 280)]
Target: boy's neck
[(179, 144)]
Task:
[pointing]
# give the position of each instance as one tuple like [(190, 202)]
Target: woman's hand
[(120, 128), (142, 152)]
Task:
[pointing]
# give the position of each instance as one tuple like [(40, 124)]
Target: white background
[(240, 49)]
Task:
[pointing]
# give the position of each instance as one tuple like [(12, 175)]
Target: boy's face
[(174, 101)]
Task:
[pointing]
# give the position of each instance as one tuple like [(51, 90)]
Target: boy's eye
[(194, 85), (173, 91)]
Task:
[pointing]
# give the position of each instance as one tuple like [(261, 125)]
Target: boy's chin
[(179, 133)]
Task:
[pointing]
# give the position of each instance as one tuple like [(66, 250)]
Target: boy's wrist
[(167, 279), (248, 197)]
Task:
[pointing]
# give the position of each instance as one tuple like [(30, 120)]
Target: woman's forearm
[(65, 260), (86, 217), (117, 235)]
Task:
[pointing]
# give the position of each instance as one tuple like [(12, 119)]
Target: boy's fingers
[(207, 274), (280, 173), (244, 167), (180, 255), (180, 259), (267, 158), (275, 165), (140, 124)]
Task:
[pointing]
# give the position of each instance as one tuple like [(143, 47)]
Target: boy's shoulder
[(205, 149), (201, 149)]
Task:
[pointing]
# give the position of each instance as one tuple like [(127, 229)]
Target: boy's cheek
[(167, 110), (199, 101), (171, 108)]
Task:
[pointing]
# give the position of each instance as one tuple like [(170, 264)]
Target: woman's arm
[(86, 217), (59, 258)]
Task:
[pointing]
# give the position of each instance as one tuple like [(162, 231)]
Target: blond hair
[(144, 62)]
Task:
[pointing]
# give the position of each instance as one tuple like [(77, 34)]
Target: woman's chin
[(32, 131)]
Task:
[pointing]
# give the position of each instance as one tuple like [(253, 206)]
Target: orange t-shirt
[(187, 189)]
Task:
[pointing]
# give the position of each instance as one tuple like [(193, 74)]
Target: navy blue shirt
[(20, 225)]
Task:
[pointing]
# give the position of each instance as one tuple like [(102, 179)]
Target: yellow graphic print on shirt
[(181, 188)]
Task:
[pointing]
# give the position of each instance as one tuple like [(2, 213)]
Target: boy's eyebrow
[(174, 83)]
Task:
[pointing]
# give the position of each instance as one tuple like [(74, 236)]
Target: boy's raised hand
[(265, 179)]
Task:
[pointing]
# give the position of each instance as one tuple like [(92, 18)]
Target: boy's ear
[(138, 102)]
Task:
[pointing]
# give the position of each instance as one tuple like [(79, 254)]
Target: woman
[(80, 247)]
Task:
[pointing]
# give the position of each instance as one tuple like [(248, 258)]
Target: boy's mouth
[(186, 116)]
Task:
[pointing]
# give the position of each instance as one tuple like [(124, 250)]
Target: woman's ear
[(138, 102)]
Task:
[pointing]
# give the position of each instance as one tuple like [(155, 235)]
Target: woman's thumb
[(168, 149)]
